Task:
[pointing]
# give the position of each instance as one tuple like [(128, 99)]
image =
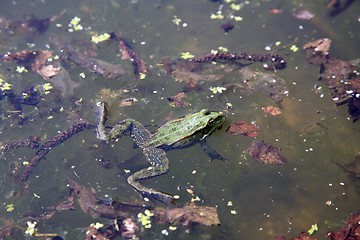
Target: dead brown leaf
[(48, 71), (321, 45), (186, 215), (265, 153), (272, 110), (243, 128), (178, 100)]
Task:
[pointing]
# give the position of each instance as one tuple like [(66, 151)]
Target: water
[(269, 200)]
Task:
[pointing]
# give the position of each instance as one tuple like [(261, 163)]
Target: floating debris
[(28, 27), (194, 74), (27, 97), (32, 142), (63, 82), (38, 62), (277, 62), (265, 153), (303, 14), (313, 229), (275, 10), (303, 236), (318, 50), (335, 7), (256, 81), (227, 27), (243, 128), (341, 77), (105, 163), (100, 38), (185, 216), (75, 25), (352, 170), (50, 144), (30, 59), (272, 110), (97, 66), (350, 231), (186, 55), (127, 53), (178, 100), (128, 102)]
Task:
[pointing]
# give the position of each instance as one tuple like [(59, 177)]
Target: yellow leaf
[(313, 228), (186, 55)]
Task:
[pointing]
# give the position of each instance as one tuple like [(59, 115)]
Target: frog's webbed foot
[(212, 153), (152, 195)]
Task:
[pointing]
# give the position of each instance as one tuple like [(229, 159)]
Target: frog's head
[(212, 121)]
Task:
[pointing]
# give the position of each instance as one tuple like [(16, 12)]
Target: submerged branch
[(186, 215), (51, 143), (277, 62)]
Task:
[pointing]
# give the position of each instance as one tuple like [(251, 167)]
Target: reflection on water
[(319, 183)]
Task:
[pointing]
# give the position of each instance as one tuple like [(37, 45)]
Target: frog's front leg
[(159, 165), (211, 152)]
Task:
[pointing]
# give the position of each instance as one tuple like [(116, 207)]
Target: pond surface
[(317, 184)]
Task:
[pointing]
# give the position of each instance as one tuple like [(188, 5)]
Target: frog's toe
[(216, 156), (158, 196), (222, 159)]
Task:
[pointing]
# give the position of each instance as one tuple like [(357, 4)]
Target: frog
[(178, 133)]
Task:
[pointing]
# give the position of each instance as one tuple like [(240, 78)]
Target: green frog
[(175, 134)]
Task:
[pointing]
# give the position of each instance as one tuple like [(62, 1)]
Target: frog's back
[(184, 131), (172, 132)]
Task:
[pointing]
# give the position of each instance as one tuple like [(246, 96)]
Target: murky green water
[(269, 200)]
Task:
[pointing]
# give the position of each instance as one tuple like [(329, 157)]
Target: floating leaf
[(186, 55), (100, 38), (294, 48), (303, 14), (47, 87), (176, 20), (31, 228), (10, 207), (142, 76), (172, 228), (179, 100), (313, 228), (97, 225), (235, 7), (75, 24), (243, 128), (21, 69), (215, 90), (238, 18), (265, 153), (272, 110), (218, 16), (5, 86)]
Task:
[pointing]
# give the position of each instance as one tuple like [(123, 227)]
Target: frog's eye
[(211, 122), (205, 112)]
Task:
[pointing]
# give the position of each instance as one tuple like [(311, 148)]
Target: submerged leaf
[(272, 110), (243, 128), (265, 153)]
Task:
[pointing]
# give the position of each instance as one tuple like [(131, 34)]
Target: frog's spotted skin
[(178, 133)]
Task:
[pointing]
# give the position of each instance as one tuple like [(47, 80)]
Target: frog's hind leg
[(139, 134), (137, 131), (160, 165)]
